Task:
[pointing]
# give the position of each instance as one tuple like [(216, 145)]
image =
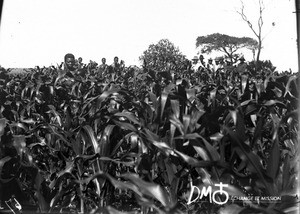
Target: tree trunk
[(297, 2), (258, 51)]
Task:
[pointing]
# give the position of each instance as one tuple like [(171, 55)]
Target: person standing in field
[(115, 68), (195, 65), (116, 65), (242, 66), (79, 63), (122, 64), (229, 70), (242, 73), (201, 59), (69, 62), (68, 74), (102, 69), (210, 65)]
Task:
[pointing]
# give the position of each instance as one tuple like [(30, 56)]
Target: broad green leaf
[(274, 160), (105, 140), (247, 154), (57, 197), (286, 173), (19, 125), (274, 102), (175, 107), (213, 153), (2, 163), (69, 167), (172, 133), (161, 145), (277, 92), (116, 183), (231, 209), (153, 99), (202, 153), (43, 205), (188, 159), (68, 119), (163, 100), (150, 189), (129, 116), (217, 136), (258, 130), (164, 147), (92, 138), (19, 143), (106, 94), (190, 136), (176, 122), (126, 126), (250, 109), (151, 136), (28, 121), (2, 126), (186, 122), (190, 93)]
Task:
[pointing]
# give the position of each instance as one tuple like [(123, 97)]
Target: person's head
[(79, 60), (242, 59), (217, 61), (70, 61), (116, 59), (195, 60), (210, 61), (103, 60), (221, 60), (221, 92), (201, 57), (252, 86)]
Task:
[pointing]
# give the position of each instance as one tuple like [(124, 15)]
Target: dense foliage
[(162, 56), (137, 141)]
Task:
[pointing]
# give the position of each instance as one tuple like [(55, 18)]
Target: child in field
[(80, 63), (70, 62), (103, 69), (69, 72), (114, 68)]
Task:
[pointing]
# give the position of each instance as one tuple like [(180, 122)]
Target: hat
[(195, 58), (210, 59), (201, 57), (242, 59), (218, 58)]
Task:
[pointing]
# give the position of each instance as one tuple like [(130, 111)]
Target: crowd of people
[(218, 70), (228, 73), (74, 67)]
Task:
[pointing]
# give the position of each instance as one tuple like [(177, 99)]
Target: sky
[(41, 32)]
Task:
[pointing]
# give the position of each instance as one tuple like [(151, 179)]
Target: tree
[(297, 6), (224, 43), (158, 56), (258, 32)]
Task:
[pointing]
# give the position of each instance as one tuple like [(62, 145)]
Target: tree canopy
[(224, 43), (158, 56)]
